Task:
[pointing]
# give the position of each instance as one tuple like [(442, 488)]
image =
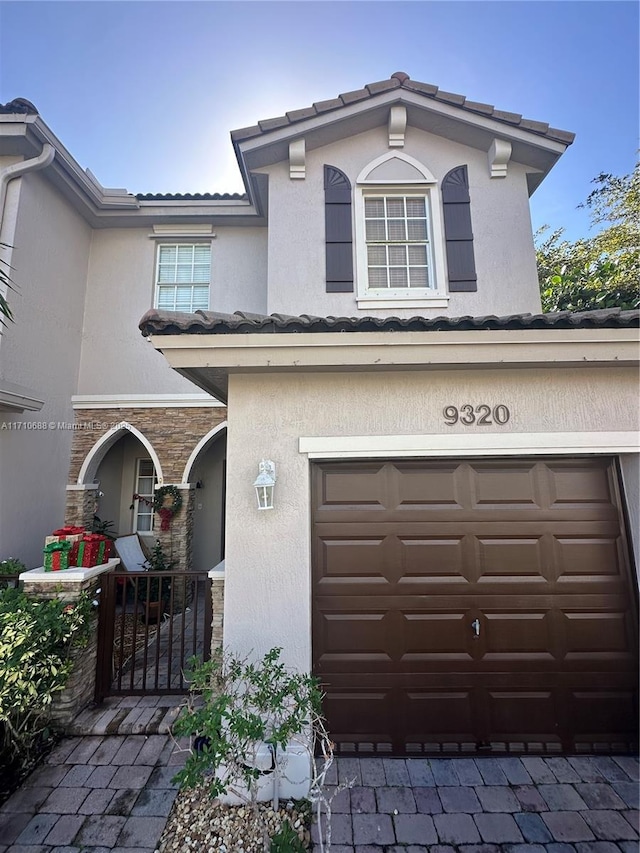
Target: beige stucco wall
[(503, 242), (116, 359), (41, 351), (267, 594)]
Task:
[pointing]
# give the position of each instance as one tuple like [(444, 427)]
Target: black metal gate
[(150, 624)]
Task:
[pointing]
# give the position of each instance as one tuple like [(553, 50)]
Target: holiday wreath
[(166, 511)]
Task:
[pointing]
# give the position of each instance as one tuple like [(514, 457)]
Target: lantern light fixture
[(265, 484)]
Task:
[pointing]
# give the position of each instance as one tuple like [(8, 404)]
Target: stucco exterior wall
[(40, 350), (115, 357), (503, 242), (267, 594)]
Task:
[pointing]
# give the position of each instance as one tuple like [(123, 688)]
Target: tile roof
[(400, 80), (192, 196), (212, 323), (18, 105)]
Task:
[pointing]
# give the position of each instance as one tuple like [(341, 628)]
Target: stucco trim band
[(508, 444)]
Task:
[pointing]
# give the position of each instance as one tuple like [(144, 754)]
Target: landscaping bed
[(197, 822)]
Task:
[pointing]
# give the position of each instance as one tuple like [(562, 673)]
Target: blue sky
[(145, 93)]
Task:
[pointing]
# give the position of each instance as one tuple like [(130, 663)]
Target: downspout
[(10, 173), (17, 170)]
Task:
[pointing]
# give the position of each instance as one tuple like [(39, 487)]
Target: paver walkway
[(486, 805), (112, 794), (94, 794)]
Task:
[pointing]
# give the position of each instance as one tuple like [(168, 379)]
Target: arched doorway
[(125, 469), (206, 470)]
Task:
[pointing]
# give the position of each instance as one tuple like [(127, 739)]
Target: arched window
[(399, 234)]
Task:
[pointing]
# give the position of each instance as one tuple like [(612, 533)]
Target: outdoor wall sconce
[(265, 484)]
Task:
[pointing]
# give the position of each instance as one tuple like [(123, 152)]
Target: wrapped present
[(69, 533), (92, 550), (56, 556)]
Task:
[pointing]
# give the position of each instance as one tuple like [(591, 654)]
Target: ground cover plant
[(36, 641)]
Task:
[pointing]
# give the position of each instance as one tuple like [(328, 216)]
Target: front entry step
[(127, 715)]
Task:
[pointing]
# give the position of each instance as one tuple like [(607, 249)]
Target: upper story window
[(399, 235), (183, 276)]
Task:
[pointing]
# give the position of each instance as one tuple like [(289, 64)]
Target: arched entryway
[(125, 469), (206, 471)]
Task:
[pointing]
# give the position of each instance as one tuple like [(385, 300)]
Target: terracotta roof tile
[(18, 105), (383, 86), (192, 196), (450, 97), (211, 322), (356, 95), (331, 104), (401, 80)]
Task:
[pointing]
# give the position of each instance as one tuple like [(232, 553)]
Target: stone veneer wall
[(79, 690), (173, 433)]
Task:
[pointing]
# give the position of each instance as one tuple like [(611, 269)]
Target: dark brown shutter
[(457, 230), (338, 231)]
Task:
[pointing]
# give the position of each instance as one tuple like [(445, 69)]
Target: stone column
[(216, 576), (68, 586), (81, 505), (177, 540)]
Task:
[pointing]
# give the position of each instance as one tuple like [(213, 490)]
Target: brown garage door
[(463, 605)]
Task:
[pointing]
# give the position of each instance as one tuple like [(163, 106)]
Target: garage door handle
[(475, 627)]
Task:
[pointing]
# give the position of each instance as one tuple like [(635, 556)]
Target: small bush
[(36, 640)]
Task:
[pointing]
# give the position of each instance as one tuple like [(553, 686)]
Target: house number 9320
[(481, 415)]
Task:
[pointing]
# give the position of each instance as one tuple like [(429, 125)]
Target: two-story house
[(450, 547)]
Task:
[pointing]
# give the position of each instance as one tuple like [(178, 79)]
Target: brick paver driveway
[(486, 805)]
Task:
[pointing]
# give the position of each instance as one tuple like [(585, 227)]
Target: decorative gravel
[(197, 822)]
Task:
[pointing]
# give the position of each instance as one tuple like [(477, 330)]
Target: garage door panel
[(588, 633), (580, 484), (587, 556), (502, 486), (512, 557), (600, 714), (363, 486), (344, 708), (439, 715), (429, 637), (432, 558), (521, 714), (438, 491), (349, 557), (524, 636)]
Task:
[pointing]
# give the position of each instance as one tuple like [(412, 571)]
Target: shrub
[(36, 639), (11, 566)]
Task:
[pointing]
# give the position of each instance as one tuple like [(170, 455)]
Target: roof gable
[(534, 144)]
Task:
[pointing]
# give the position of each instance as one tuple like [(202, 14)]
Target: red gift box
[(92, 550)]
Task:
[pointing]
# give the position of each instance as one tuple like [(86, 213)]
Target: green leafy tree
[(601, 271)]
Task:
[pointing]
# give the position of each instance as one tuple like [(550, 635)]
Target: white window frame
[(424, 185), (178, 244), (136, 504)]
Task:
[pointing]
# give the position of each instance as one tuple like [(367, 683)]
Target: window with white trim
[(143, 504), (399, 235), (183, 276)]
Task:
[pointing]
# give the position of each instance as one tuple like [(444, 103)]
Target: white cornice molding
[(192, 230), (499, 155), (144, 401), (397, 125), (493, 444), (297, 155)]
